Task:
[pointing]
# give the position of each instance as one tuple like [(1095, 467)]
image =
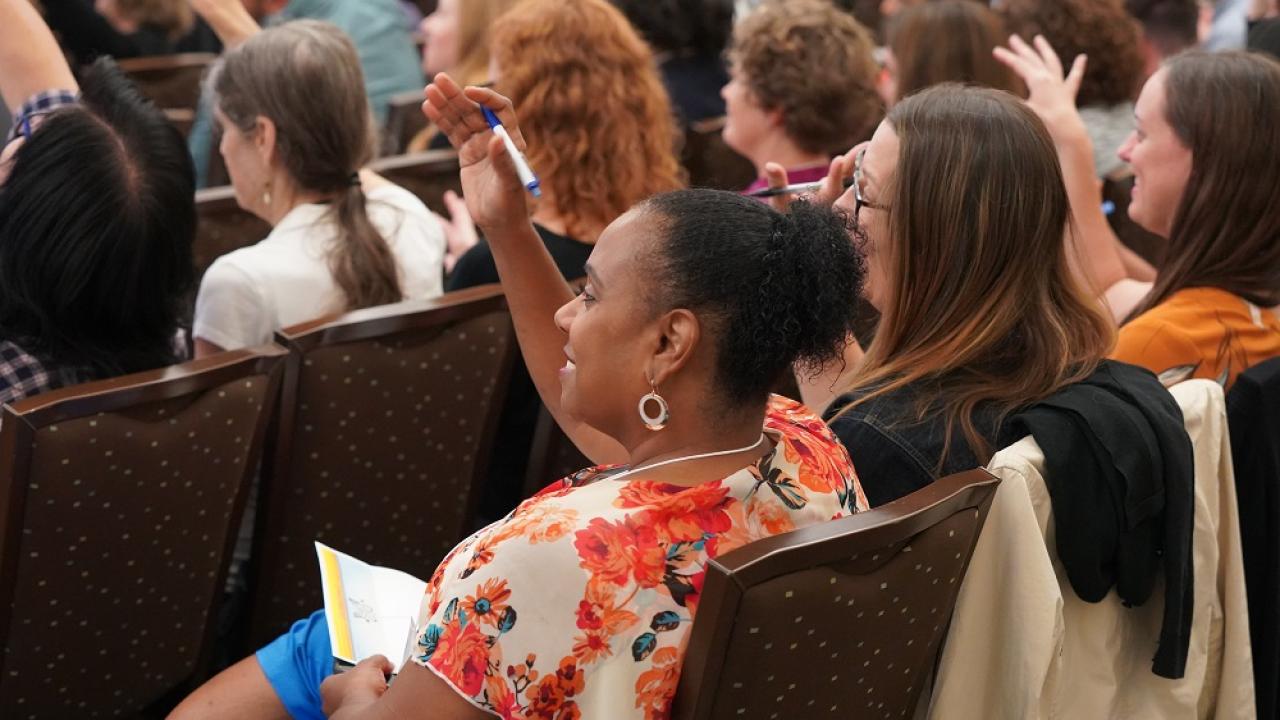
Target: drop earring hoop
[(657, 421)]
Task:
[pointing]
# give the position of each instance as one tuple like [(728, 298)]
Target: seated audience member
[(1168, 28), (456, 40), (697, 301), (582, 81), (689, 40), (948, 41), (1206, 162), (388, 56), (128, 28), (96, 219), (801, 89), (1111, 39), (296, 130), (956, 190)]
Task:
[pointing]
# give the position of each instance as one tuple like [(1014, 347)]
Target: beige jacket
[(1022, 645)]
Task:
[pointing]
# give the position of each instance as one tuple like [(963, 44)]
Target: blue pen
[(522, 166)]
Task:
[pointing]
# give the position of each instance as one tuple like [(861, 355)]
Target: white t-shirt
[(248, 294)]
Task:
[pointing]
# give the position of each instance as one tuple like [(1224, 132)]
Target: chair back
[(552, 455), (171, 81), (119, 506), (426, 174), (222, 227), (710, 162), (386, 424), (841, 619), (404, 121), (1253, 421)]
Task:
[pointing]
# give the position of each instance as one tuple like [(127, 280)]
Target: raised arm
[(533, 285), (230, 21), (30, 59), (1097, 254)]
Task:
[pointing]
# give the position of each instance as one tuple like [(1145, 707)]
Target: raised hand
[(1052, 94), (494, 195)]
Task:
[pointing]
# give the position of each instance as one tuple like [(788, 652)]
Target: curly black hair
[(694, 27), (780, 290)]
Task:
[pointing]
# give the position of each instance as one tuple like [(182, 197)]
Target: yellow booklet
[(371, 610)]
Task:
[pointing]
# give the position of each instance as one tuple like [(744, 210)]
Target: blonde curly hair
[(599, 126)]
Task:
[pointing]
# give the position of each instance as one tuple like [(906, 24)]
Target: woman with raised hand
[(1206, 160), (296, 131), (697, 301)]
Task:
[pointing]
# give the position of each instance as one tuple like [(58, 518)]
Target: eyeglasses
[(859, 200)]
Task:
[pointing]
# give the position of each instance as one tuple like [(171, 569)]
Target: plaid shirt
[(22, 375), (42, 103)]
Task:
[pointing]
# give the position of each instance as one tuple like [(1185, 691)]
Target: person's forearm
[(30, 59), (230, 21), (535, 290), (1093, 246)]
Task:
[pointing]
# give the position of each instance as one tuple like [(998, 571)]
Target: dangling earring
[(658, 421), (266, 194)]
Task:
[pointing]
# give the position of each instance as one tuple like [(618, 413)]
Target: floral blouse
[(579, 603)]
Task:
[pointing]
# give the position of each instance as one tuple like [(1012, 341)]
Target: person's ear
[(678, 334), (264, 139)]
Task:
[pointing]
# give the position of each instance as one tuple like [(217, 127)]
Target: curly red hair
[(599, 125)]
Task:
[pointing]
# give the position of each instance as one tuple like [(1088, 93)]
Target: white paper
[(378, 605)]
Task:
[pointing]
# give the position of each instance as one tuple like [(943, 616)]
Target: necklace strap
[(687, 458)]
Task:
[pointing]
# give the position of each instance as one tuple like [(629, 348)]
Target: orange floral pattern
[(593, 584)]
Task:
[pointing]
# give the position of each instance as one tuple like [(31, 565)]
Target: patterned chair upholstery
[(710, 163), (553, 455), (426, 174), (386, 424), (838, 620), (119, 504), (222, 227), (171, 81)]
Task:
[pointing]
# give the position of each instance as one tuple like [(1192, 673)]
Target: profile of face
[(1161, 162), (440, 50), (879, 162), (613, 341), (747, 122), (248, 159)]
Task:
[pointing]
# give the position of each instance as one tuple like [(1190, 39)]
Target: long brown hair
[(949, 41), (982, 305), (305, 76), (1225, 107), (599, 126)]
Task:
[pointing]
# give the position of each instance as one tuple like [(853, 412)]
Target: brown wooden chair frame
[(731, 575), (23, 418)]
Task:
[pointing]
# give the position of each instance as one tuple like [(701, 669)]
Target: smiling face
[(440, 31), (878, 166), (1161, 162), (610, 333)]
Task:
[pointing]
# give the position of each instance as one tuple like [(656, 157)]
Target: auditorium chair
[(710, 162), (404, 121), (119, 505), (222, 227), (171, 81), (842, 619), (386, 424), (426, 174), (181, 118), (552, 456)]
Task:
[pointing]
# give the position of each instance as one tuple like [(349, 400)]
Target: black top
[(476, 266), (896, 451), (510, 461), (85, 35), (694, 84)]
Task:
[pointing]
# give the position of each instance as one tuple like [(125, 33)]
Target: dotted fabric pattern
[(385, 446), (849, 640), (122, 509)]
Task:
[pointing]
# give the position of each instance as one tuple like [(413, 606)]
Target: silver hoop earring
[(658, 421)]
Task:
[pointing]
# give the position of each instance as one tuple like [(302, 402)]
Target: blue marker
[(522, 166)]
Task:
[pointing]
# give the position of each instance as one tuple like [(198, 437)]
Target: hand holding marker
[(527, 177)]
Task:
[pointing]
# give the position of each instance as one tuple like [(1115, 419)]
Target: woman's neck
[(779, 149), (285, 196), (683, 444)]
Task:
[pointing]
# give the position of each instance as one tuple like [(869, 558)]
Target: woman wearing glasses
[(960, 210)]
